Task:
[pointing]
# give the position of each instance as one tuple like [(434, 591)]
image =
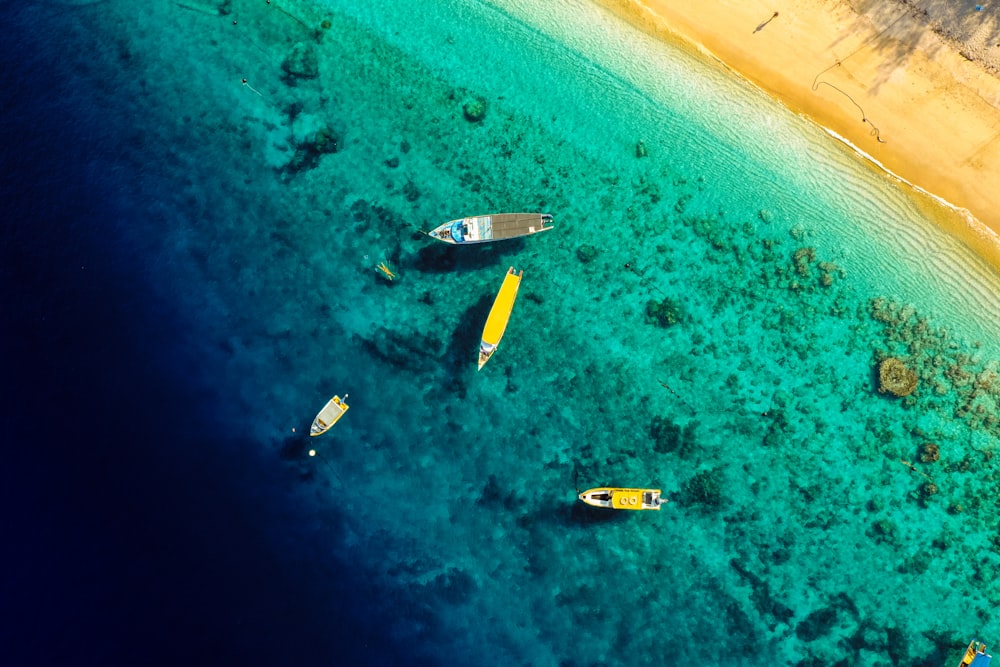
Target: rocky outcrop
[(895, 378)]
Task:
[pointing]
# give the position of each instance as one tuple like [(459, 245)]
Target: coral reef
[(882, 530), (816, 624), (474, 109), (367, 213), (828, 269), (411, 192), (300, 63), (926, 492), (704, 489), (586, 253), (838, 623), (663, 313), (929, 452), (311, 149), (802, 258), (895, 378), (670, 438), (964, 385), (763, 599), (496, 494)]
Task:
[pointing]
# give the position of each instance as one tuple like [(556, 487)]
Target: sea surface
[(195, 195)]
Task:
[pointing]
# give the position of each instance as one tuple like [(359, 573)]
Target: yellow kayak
[(623, 499), (496, 323)]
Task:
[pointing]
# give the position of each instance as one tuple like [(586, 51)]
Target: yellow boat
[(623, 499), (496, 323), (329, 415)]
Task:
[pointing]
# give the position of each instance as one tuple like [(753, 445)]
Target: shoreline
[(913, 104)]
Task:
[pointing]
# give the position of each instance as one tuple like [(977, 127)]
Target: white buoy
[(312, 452)]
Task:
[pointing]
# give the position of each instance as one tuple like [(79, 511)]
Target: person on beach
[(761, 26)]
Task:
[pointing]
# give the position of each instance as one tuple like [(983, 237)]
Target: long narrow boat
[(976, 655), (496, 323), (329, 415), (496, 227), (623, 499)]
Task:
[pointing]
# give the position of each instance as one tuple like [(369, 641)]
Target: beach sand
[(912, 86)]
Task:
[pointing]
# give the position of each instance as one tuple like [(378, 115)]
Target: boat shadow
[(566, 511), (572, 514), (581, 514), (444, 258), (463, 349)]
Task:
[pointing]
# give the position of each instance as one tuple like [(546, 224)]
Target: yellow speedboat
[(496, 323), (329, 415), (623, 499)]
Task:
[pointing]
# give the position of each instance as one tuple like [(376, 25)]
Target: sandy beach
[(911, 85)]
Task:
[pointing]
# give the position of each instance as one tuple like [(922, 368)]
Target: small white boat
[(496, 227), (329, 415), (496, 323), (623, 499)]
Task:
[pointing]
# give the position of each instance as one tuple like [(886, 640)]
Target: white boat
[(329, 415), (496, 227)]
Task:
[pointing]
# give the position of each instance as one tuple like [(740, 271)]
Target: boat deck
[(329, 415), (499, 315), (512, 225), (496, 322), (623, 499), (496, 227)]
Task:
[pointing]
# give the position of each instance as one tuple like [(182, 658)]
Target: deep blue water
[(187, 278), (127, 537)]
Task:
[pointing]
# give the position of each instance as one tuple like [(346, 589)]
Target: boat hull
[(623, 499), (487, 228), (496, 323), (329, 415)]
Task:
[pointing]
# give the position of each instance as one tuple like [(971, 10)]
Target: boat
[(975, 655), (496, 227), (329, 415), (496, 323), (623, 499)]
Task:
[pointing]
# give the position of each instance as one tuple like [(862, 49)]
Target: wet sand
[(914, 89)]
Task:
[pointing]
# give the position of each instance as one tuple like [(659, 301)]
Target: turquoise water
[(785, 270)]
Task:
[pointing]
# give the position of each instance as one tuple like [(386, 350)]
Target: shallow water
[(239, 224)]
